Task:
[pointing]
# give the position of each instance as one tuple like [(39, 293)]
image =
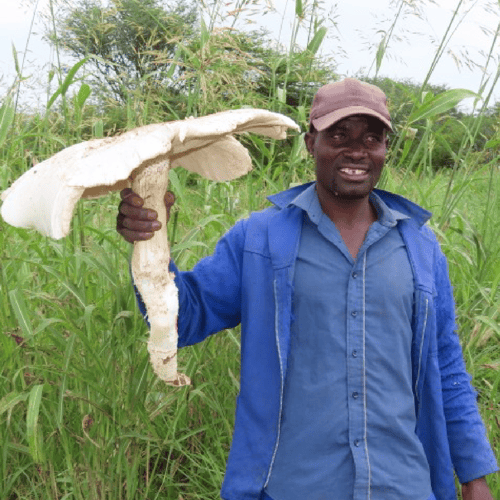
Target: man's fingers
[(169, 201), (131, 197), (131, 205), (135, 223), (136, 230), (124, 193), (147, 226), (132, 236), (134, 212), (169, 198)]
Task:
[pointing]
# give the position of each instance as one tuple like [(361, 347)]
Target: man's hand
[(476, 490), (136, 223)]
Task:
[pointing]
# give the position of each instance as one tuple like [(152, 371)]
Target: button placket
[(355, 373)]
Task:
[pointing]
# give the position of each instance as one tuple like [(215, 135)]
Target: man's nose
[(355, 152)]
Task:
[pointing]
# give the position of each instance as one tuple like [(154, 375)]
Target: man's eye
[(373, 139), (338, 135)]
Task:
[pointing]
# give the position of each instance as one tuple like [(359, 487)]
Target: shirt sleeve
[(209, 294), (471, 452)]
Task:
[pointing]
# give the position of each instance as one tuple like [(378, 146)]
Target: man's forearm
[(476, 489)]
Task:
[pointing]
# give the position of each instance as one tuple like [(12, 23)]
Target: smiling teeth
[(353, 171)]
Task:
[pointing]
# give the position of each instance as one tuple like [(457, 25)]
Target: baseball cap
[(338, 100)]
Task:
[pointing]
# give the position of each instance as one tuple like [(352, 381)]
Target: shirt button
[(354, 354), (354, 275), (356, 442), (354, 313), (355, 395)]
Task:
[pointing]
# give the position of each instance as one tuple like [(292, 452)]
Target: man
[(353, 384)]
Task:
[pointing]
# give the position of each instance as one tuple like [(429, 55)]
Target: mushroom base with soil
[(150, 261)]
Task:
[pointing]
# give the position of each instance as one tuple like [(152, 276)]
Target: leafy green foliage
[(431, 137), (126, 37), (148, 51)]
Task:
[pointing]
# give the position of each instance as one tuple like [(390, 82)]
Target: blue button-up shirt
[(348, 423)]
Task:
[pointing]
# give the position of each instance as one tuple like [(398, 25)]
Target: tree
[(124, 39), (229, 67), (162, 56)]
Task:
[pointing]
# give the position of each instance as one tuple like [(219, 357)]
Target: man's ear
[(309, 139), (386, 138)]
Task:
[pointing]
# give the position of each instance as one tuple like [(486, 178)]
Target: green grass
[(83, 416)]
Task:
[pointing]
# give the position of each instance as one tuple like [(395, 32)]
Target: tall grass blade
[(83, 95), (63, 88), (32, 430), (317, 40), (7, 115), (8, 402), (7, 348), (98, 129), (495, 327), (62, 390), (16, 60), (440, 104), (492, 143), (380, 54), (204, 34), (173, 65), (176, 183), (299, 8), (21, 312)]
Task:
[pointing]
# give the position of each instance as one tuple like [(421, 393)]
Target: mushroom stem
[(150, 260)]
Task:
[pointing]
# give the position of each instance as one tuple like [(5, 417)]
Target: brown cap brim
[(323, 122)]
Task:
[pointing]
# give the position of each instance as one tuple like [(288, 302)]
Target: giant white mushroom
[(45, 196)]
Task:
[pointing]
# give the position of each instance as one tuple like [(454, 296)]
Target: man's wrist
[(475, 481), (477, 489)]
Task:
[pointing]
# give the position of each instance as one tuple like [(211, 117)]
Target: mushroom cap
[(45, 196)]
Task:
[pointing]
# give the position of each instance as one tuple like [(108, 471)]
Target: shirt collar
[(308, 201)]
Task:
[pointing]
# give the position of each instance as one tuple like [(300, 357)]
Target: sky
[(352, 37)]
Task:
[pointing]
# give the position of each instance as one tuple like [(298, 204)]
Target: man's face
[(349, 156)]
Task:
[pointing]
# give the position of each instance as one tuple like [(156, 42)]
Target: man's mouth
[(353, 171)]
